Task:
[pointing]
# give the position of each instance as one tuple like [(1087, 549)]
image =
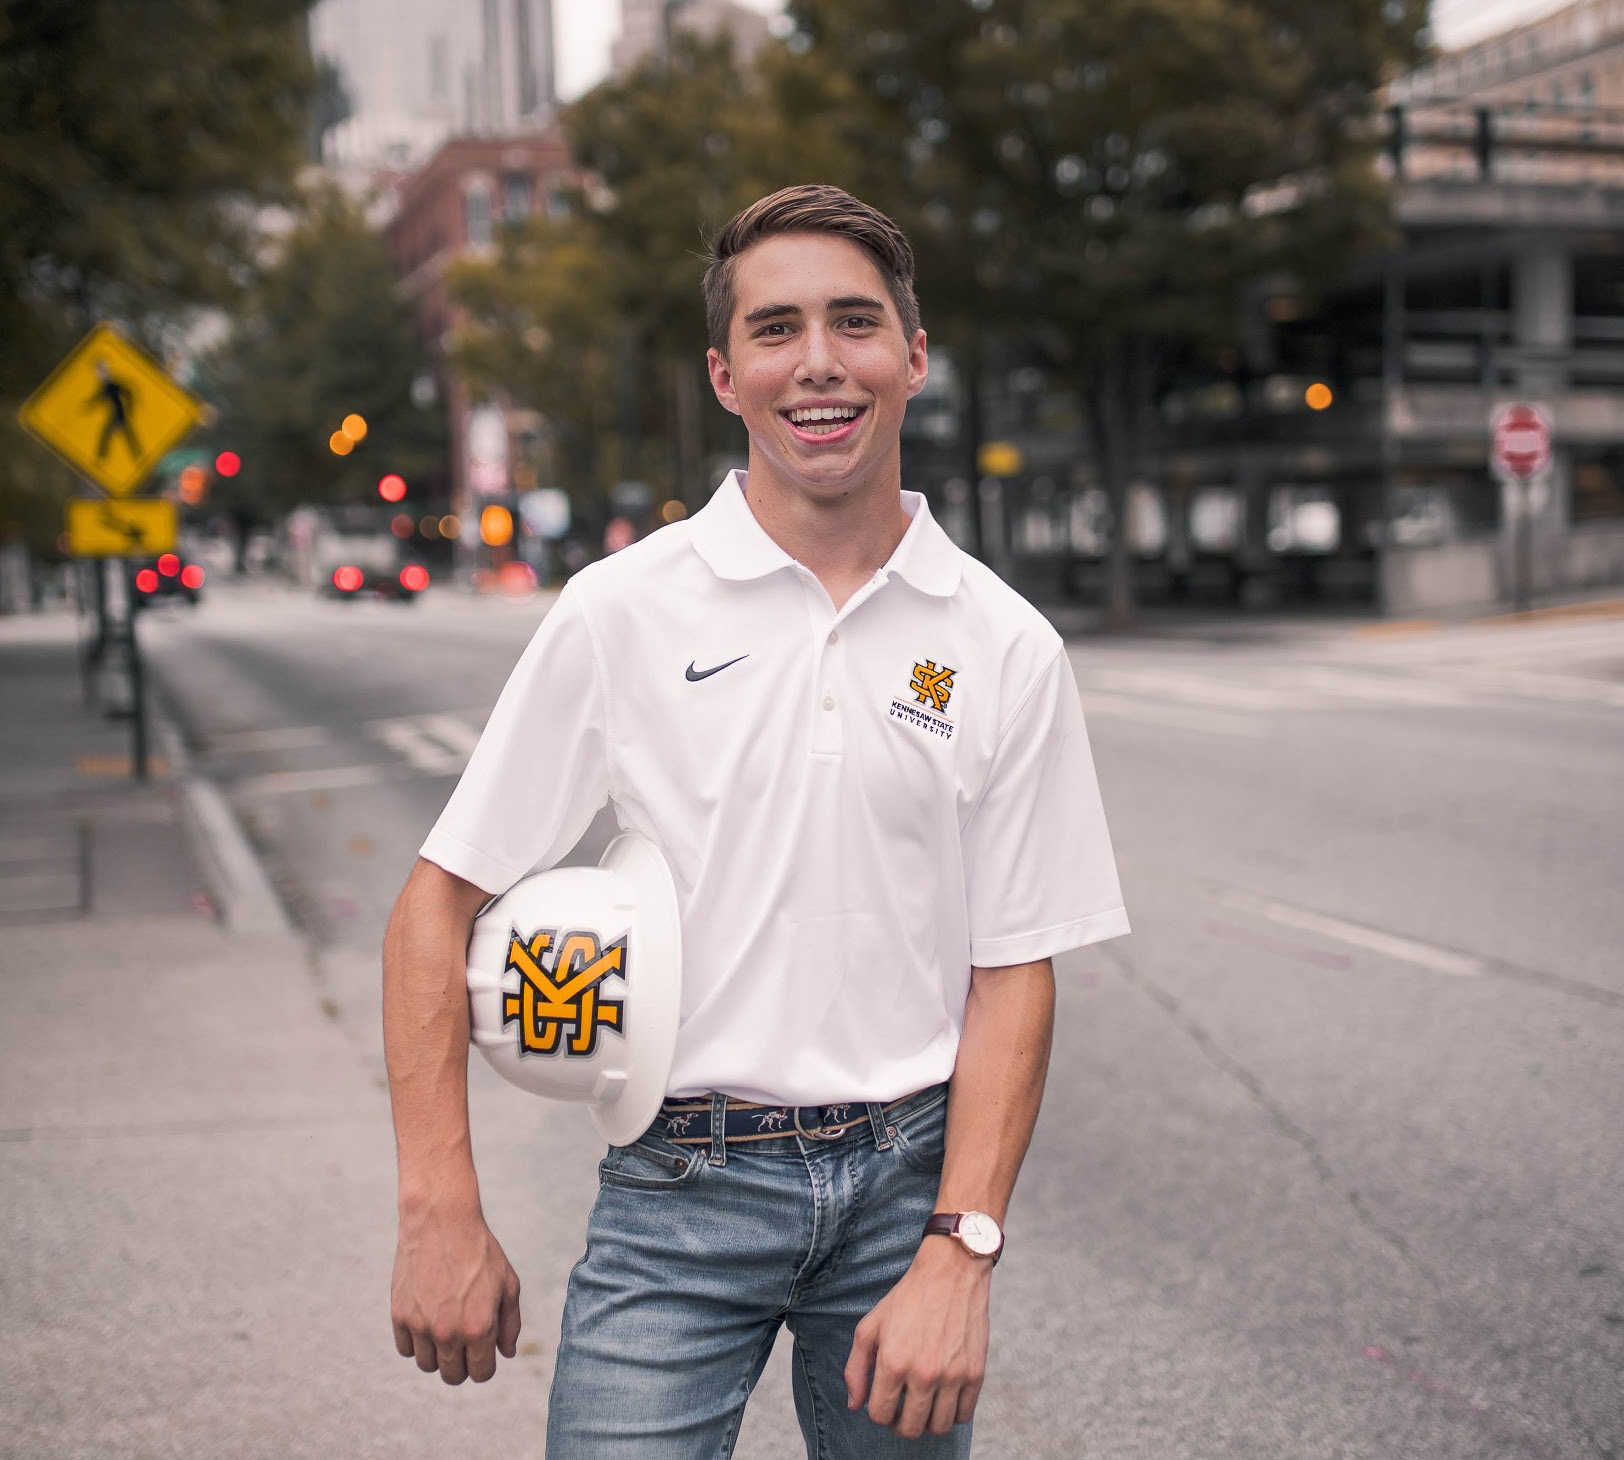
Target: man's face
[(817, 365)]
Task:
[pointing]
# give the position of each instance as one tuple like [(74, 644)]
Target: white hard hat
[(575, 985)]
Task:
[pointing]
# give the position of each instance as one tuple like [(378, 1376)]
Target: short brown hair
[(809, 208)]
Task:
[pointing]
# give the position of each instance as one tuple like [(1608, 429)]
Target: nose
[(820, 357)]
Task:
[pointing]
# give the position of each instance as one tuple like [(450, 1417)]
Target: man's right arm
[(454, 1299)]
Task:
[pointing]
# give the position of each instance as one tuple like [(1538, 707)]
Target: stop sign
[(1522, 439)]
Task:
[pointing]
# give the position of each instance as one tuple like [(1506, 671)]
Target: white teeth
[(823, 413)]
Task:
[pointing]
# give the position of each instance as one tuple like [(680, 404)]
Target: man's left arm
[(919, 1357)]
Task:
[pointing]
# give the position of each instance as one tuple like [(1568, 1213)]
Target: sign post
[(111, 413), (1520, 444)]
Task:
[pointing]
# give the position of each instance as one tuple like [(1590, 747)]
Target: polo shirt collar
[(727, 536)]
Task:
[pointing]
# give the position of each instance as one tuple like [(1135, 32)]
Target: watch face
[(980, 1233)]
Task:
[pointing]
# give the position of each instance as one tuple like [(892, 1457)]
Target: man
[(864, 760)]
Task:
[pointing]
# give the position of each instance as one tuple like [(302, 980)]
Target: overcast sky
[(585, 28)]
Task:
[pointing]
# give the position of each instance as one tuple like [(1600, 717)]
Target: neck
[(841, 539)]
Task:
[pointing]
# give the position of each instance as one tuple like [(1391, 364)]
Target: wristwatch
[(980, 1234)]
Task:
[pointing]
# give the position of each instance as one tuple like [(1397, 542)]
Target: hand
[(925, 1344), (454, 1297)]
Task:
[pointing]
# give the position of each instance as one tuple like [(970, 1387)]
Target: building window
[(477, 216), (1598, 487), (515, 198)]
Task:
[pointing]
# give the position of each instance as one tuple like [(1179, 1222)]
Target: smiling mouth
[(813, 422)]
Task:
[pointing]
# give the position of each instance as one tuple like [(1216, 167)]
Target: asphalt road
[(1332, 1158)]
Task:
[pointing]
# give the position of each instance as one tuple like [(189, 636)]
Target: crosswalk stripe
[(332, 778), (411, 740)]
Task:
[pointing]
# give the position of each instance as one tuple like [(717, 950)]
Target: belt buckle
[(820, 1134)]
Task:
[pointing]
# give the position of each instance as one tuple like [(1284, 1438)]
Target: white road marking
[(457, 733), (1177, 717), (286, 737), (333, 778), (410, 739), (1392, 945)]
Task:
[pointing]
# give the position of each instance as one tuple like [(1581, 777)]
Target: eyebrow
[(845, 301)]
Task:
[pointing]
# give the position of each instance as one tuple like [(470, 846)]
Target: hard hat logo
[(549, 964), (565, 994)]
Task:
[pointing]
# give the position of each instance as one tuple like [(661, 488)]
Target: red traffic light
[(392, 488), (228, 463), (169, 565), (191, 576), (146, 581)]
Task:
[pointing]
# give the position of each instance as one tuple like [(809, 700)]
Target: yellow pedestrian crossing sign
[(142, 528), (110, 411)]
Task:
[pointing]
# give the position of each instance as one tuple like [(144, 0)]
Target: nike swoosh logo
[(698, 674)]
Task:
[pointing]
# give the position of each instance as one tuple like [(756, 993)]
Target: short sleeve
[(1040, 875), (540, 771)]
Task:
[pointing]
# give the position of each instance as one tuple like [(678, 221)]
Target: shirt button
[(833, 635), (828, 702)]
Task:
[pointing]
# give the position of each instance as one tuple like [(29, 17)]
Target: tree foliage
[(1107, 178), (136, 144), (599, 322), (324, 333)]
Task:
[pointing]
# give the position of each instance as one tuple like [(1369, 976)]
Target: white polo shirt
[(857, 806)]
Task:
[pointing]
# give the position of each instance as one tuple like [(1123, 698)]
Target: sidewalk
[(198, 1222)]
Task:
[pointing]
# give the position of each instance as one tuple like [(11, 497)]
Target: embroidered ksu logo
[(932, 688), (560, 1007)]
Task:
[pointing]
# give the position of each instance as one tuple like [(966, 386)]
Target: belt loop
[(876, 1120), (718, 1155)]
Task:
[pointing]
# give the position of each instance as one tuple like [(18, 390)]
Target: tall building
[(452, 208), (418, 71), (643, 28)]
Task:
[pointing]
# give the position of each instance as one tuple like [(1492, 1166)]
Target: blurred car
[(170, 576), (356, 580)]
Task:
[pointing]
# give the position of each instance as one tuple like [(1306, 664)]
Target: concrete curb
[(232, 872)]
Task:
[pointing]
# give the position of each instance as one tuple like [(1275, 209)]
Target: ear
[(918, 365), (721, 378)]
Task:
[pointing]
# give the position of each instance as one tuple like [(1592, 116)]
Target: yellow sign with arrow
[(142, 528), (110, 411)]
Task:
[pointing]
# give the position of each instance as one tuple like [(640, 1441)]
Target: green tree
[(324, 334), (136, 147), (537, 327), (674, 149), (1112, 175)]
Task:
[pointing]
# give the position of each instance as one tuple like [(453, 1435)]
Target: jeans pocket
[(648, 1165), (920, 1137)]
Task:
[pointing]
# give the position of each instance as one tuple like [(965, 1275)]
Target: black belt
[(689, 1122)]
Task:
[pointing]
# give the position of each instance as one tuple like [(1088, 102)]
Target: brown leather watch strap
[(942, 1224)]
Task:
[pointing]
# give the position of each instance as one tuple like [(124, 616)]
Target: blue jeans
[(691, 1266)]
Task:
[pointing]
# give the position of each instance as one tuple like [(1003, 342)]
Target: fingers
[(507, 1322), (423, 1348), (917, 1403), (481, 1360), (454, 1362), (886, 1396), (403, 1341), (860, 1364), (944, 1411)]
